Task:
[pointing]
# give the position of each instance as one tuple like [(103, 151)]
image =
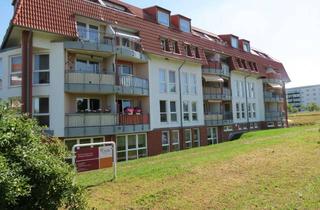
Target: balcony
[(273, 97), (218, 119), (211, 93), (274, 116), (133, 54), (132, 85), (92, 124), (91, 40), (86, 82), (216, 68)]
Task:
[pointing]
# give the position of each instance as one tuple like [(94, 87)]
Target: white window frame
[(193, 84), (137, 148), (197, 141), (238, 113), (211, 139), (194, 111), (254, 111), (234, 42), (87, 64), (246, 47), (172, 84), (164, 22), (185, 83), (270, 125), (249, 110), (243, 110), (14, 73), (88, 102), (164, 82), (34, 114), (189, 142), (228, 128), (186, 112), (40, 71), (173, 142), (183, 27), (164, 113), (165, 145), (87, 38), (173, 112)]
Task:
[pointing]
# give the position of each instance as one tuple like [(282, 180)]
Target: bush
[(33, 174)]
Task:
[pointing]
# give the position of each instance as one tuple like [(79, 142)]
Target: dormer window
[(176, 49), (246, 46), (234, 42), (188, 50), (185, 25), (163, 18), (197, 53), (165, 46)]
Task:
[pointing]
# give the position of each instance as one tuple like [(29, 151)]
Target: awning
[(212, 78), (214, 101), (274, 85), (128, 36)]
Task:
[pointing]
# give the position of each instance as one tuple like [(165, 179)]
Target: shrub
[(33, 174)]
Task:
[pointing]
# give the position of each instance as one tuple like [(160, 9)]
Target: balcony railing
[(211, 93), (134, 54), (216, 68), (274, 81), (85, 124), (89, 82), (273, 97), (133, 84), (218, 118), (274, 116)]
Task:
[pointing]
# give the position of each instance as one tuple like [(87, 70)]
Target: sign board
[(88, 159)]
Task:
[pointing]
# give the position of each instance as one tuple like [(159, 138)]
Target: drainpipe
[(246, 93), (180, 97)]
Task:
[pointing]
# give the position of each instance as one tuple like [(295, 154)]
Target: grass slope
[(263, 170)]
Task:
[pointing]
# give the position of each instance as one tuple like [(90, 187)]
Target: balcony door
[(212, 135), (125, 72)]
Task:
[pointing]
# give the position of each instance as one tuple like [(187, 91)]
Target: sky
[(288, 30)]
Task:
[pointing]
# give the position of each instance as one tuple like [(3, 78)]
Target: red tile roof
[(58, 16)]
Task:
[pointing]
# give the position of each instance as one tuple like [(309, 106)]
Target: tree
[(291, 109), (33, 173), (312, 107)]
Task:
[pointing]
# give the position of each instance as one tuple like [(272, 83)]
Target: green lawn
[(273, 169)]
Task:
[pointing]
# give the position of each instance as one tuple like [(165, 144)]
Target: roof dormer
[(231, 39), (159, 14), (245, 45), (181, 22)]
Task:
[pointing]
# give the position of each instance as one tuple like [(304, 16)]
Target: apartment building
[(104, 70), (300, 97)]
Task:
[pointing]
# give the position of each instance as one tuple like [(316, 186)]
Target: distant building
[(302, 96)]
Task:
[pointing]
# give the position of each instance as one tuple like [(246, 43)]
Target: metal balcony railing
[(94, 36), (211, 93), (218, 118), (273, 97), (274, 116), (132, 81), (217, 68)]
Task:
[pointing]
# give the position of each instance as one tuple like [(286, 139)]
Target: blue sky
[(288, 30)]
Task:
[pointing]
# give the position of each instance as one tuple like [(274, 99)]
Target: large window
[(172, 81), (194, 111), (41, 71), (243, 113), (163, 111), (163, 81), (165, 141), (175, 140), (88, 32), (184, 25), (193, 86), (196, 137), (131, 147), (173, 111), (187, 138), (254, 112), (212, 136), (249, 111), (16, 71), (234, 42), (238, 110), (163, 18), (88, 105), (185, 83), (41, 110), (186, 116), (123, 104)]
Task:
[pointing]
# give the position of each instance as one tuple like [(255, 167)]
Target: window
[(86, 66), (41, 110), (234, 42), (253, 94), (131, 147), (228, 128), (196, 137), (188, 50), (165, 141), (172, 81), (238, 110), (165, 45), (16, 71), (88, 105), (194, 111), (246, 47), (185, 25), (193, 81), (163, 81), (175, 140), (186, 111), (93, 33), (243, 115), (1, 72), (41, 73), (238, 88), (123, 104), (175, 45), (270, 124), (249, 110), (254, 113), (125, 69), (187, 138), (82, 30), (212, 136), (197, 53), (163, 111), (185, 83), (163, 18), (173, 111), (88, 32)]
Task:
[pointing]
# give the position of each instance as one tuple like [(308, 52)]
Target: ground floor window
[(187, 138), (165, 141), (41, 110), (228, 128), (69, 143), (196, 137), (175, 140), (131, 146), (212, 136), (270, 124)]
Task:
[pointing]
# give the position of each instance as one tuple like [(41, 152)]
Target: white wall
[(156, 63), (258, 97)]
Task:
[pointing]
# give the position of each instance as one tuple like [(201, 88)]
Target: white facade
[(159, 63), (304, 95), (255, 98)]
